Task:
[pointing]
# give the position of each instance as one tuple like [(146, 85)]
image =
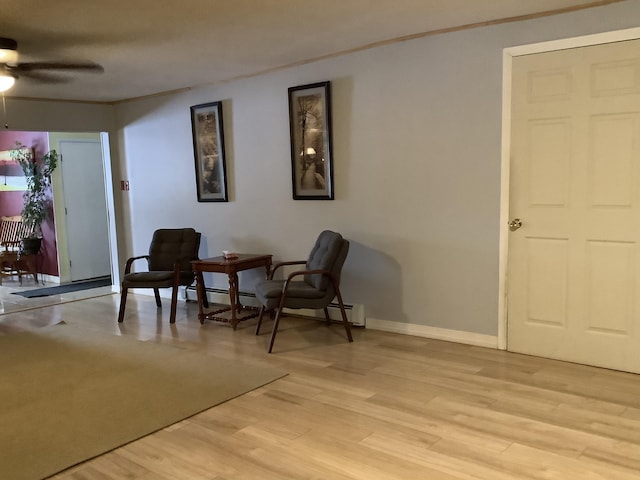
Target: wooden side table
[(230, 266)]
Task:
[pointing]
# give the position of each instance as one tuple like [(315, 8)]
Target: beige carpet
[(68, 394)]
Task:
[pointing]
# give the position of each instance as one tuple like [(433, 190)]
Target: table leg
[(234, 296), (31, 263), (200, 293)]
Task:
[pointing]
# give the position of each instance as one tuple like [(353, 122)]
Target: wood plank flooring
[(384, 407)]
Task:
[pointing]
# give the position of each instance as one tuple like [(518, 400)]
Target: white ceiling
[(152, 46)]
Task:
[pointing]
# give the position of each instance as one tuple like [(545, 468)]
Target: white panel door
[(86, 208), (574, 265)]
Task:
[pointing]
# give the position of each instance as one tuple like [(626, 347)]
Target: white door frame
[(507, 59), (113, 239)]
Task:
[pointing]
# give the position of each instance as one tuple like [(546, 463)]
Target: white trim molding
[(458, 336)]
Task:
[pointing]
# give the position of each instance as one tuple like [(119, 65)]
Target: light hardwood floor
[(384, 407)]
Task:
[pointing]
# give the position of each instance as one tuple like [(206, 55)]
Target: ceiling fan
[(11, 69)]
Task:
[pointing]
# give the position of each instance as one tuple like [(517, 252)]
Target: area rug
[(60, 289), (70, 393)]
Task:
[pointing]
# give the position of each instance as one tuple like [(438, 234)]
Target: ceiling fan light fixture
[(6, 82), (8, 49)]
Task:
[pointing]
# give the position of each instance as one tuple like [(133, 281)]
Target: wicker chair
[(12, 262)]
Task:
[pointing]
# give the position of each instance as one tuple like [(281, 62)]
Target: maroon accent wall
[(11, 202)]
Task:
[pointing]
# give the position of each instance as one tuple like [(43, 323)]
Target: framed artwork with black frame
[(208, 149), (311, 141)]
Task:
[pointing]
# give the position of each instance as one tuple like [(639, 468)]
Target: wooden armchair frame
[(178, 275), (332, 273)]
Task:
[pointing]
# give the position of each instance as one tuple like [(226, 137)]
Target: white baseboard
[(435, 333), (43, 277), (220, 297), (458, 336), (355, 313)]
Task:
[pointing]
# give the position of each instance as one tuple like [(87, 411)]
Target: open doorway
[(82, 236), (81, 208)]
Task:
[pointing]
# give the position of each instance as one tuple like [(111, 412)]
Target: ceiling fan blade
[(21, 68), (43, 77)]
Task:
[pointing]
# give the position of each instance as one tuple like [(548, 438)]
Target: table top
[(220, 264), (240, 259)]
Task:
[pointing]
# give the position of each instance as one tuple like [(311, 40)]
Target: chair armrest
[(292, 275), (127, 267), (283, 264)]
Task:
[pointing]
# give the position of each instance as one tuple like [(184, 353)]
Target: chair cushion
[(155, 279), (273, 289), (322, 257), (268, 293)]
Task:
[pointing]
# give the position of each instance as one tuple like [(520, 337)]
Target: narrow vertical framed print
[(311, 141), (208, 149)]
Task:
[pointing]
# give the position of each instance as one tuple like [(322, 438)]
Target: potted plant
[(38, 178)]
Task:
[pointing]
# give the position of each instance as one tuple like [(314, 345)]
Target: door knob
[(515, 224)]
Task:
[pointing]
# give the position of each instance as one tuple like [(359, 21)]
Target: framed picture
[(311, 139), (208, 149)]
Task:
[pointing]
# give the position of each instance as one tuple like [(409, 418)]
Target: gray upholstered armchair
[(169, 261), (313, 287)]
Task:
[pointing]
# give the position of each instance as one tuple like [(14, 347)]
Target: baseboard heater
[(355, 312)]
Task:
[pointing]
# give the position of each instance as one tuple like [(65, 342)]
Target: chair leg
[(276, 321), (123, 301), (174, 304), (156, 292), (327, 318), (200, 290), (347, 327), (259, 319)]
